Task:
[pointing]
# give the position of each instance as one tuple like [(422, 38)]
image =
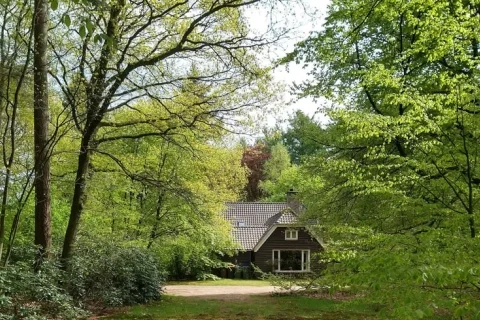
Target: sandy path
[(217, 292)]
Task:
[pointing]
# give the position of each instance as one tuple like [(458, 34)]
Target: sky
[(306, 18)]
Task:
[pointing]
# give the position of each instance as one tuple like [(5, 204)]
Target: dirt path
[(218, 292)]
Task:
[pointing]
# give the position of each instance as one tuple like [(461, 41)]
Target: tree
[(254, 159), (302, 137), (43, 228), (163, 196), (278, 161), (400, 171), (200, 60)]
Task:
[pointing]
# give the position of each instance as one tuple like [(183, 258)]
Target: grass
[(253, 307), (223, 282)]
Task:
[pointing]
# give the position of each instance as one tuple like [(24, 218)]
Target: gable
[(272, 235), (285, 216)]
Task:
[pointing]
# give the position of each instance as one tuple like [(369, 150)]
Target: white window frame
[(291, 234), (305, 264)]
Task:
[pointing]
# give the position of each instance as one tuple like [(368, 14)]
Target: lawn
[(253, 307), (223, 282)]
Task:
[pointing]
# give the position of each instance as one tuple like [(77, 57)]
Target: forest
[(126, 125)]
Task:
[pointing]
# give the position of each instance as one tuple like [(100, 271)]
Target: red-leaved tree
[(254, 158)]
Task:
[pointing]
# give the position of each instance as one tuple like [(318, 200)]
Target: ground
[(242, 300), (218, 292), (223, 282)]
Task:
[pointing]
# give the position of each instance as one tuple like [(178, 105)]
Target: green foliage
[(243, 272), (102, 273), (278, 162), (207, 276), (302, 138), (398, 202), (113, 275), (28, 295), (184, 259), (238, 273), (295, 177)]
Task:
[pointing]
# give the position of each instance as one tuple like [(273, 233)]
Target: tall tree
[(195, 56), (43, 228)]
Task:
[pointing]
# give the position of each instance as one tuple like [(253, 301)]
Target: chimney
[(293, 202)]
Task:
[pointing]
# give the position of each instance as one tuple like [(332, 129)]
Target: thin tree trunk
[(25, 195), (11, 238), (43, 233), (158, 217), (3, 210)]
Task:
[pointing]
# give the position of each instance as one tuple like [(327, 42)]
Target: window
[(291, 260), (242, 224), (291, 234)]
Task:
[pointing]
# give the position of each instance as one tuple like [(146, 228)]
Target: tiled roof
[(250, 220), (283, 217), (286, 217), (248, 237), (271, 208)]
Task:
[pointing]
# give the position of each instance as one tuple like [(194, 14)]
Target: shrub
[(28, 295), (207, 276), (114, 275), (100, 273), (183, 261), (238, 272)]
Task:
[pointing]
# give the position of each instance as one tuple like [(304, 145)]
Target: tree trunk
[(43, 233), (158, 217), (94, 116), (77, 202), (3, 210), (11, 238)]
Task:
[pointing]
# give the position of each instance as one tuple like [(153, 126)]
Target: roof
[(248, 237), (251, 220)]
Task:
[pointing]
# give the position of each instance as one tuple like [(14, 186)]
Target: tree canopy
[(398, 162)]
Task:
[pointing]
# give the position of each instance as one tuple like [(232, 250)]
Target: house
[(269, 235)]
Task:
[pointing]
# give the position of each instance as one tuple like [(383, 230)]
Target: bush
[(184, 261), (238, 272), (28, 295), (114, 275), (102, 274), (207, 276)]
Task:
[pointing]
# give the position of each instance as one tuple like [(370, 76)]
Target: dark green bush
[(247, 273), (238, 272), (184, 262), (114, 275), (28, 295)]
